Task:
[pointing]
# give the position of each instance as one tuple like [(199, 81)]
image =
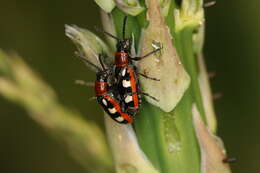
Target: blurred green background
[(35, 29)]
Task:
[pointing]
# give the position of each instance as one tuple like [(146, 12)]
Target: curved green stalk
[(83, 140)]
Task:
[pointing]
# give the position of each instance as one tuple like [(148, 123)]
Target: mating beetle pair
[(117, 88)]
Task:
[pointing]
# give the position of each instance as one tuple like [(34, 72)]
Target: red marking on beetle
[(127, 117), (121, 59), (119, 110), (101, 88), (133, 86)]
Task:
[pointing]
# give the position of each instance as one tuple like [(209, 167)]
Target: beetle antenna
[(107, 33), (82, 82), (124, 26), (82, 58), (101, 62)]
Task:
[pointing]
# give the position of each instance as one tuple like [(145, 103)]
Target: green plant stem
[(189, 60)]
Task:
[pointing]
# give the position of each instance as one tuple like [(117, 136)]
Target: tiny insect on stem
[(229, 160), (209, 4)]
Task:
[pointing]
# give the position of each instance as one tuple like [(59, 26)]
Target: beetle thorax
[(101, 85), (121, 59), (101, 88)]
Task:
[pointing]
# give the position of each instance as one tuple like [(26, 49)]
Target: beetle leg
[(138, 58), (148, 95), (148, 77), (82, 82)]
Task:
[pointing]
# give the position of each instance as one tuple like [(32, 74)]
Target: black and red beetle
[(107, 95), (126, 73)]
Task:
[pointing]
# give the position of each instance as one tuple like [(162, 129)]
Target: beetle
[(126, 73), (106, 93)]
